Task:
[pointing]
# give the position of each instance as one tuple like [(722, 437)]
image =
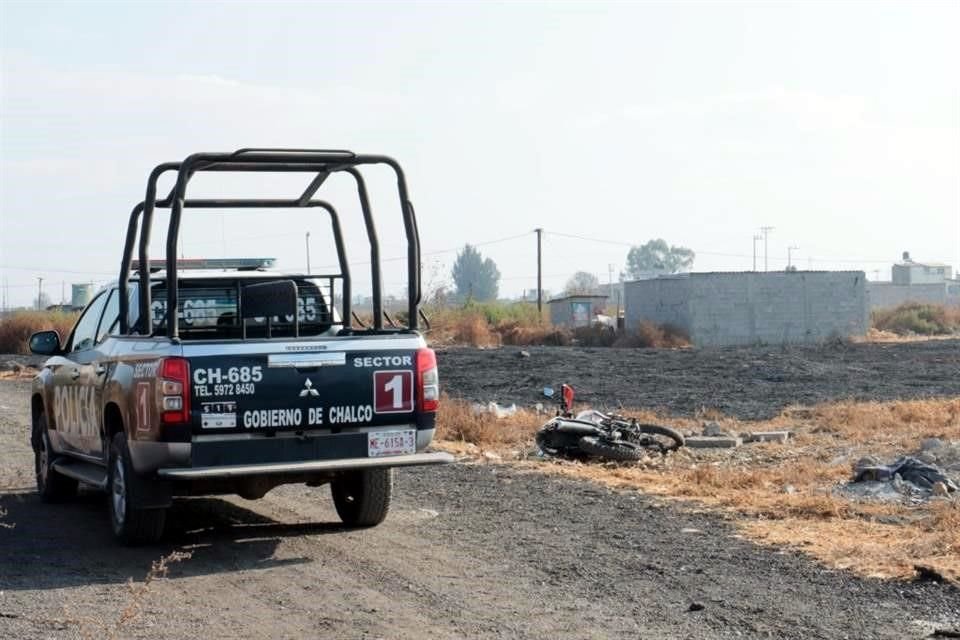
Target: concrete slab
[(768, 436), (708, 442)]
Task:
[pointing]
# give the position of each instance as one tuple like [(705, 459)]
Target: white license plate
[(391, 443)]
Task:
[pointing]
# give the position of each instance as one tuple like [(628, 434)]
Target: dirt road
[(745, 383), (468, 551)]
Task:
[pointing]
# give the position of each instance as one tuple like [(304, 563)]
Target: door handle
[(100, 370), (75, 374)]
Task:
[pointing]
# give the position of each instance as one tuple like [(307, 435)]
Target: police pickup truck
[(259, 378)]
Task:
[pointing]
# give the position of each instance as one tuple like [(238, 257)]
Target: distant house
[(576, 310), (910, 272), (922, 282)]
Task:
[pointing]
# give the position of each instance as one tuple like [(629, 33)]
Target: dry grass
[(914, 318), (527, 335), (780, 494), (15, 329), (494, 324), (89, 627), (457, 421)]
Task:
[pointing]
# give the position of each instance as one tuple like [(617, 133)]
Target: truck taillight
[(174, 391), (428, 382)]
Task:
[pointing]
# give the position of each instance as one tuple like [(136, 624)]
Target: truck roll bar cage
[(319, 162)]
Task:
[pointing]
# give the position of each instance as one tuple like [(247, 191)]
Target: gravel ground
[(480, 551), (745, 383)]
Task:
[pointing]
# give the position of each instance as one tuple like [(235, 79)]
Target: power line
[(732, 255), (49, 270)]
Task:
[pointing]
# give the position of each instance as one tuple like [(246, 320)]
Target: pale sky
[(838, 124)]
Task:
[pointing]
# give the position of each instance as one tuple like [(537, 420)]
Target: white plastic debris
[(495, 409)]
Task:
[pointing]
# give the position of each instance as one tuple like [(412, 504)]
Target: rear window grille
[(212, 312)]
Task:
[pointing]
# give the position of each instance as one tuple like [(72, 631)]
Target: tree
[(580, 283), (656, 256), (474, 277)]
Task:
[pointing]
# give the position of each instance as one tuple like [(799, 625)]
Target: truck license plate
[(391, 443)]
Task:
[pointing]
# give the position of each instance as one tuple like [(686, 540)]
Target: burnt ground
[(469, 550), (746, 383)]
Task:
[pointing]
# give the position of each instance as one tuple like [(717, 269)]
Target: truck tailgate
[(277, 392)]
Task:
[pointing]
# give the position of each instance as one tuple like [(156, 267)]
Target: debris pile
[(714, 436), (933, 471)]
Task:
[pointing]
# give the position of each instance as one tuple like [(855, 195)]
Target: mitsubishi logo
[(308, 390)]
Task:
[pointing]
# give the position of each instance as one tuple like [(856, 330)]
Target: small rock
[(696, 606), (523, 354), (713, 429), (790, 489), (898, 483), (768, 436), (940, 489), (931, 443), (490, 455)]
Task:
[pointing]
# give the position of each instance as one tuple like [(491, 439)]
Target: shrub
[(535, 335), (15, 328), (473, 329), (918, 318), (649, 335)]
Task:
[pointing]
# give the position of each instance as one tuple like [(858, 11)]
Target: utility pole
[(766, 231), (539, 273), (610, 279), (755, 238), (39, 292), (790, 251), (308, 253)]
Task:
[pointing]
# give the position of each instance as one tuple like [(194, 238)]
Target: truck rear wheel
[(362, 498), (52, 485), (130, 524)]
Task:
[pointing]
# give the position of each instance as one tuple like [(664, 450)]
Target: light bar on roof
[(239, 264)]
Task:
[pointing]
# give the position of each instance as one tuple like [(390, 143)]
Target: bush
[(482, 324), (15, 328), (650, 336), (917, 318)]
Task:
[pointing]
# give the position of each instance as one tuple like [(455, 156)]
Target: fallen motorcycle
[(595, 434)]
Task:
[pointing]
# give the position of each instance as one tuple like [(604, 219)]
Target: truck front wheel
[(362, 498), (130, 524)]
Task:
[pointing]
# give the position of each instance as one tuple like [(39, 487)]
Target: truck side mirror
[(45, 343)]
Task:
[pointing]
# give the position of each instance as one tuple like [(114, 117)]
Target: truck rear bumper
[(343, 464)]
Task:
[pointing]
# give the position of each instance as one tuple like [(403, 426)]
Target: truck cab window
[(85, 331), (111, 315)]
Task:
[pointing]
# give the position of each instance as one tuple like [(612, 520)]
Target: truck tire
[(619, 450), (52, 485), (130, 525), (362, 498)]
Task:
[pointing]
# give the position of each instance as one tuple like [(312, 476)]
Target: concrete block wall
[(719, 309), (658, 300), (886, 295)]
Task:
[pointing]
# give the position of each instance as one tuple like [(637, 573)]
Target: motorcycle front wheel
[(619, 450)]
